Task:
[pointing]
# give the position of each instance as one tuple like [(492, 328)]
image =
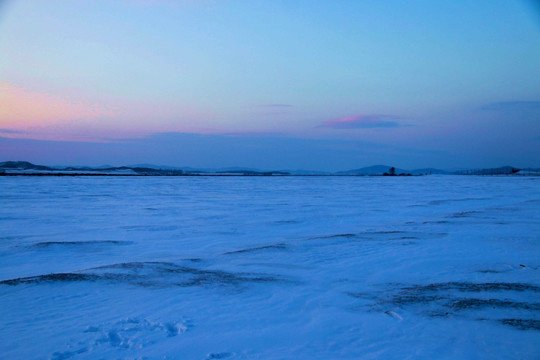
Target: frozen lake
[(443, 267)]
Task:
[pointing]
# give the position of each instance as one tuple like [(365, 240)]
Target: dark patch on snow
[(333, 236), (361, 234), (417, 299), (473, 287), (279, 246), (222, 355), (443, 201), (472, 303), (522, 324), (383, 232), (81, 243), (58, 277), (407, 243), (452, 298), (151, 274), (463, 214), (68, 354), (284, 222), (11, 218), (149, 228), (391, 235)]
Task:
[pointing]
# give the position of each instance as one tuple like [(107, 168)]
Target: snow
[(426, 267)]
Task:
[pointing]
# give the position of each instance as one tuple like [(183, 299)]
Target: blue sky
[(409, 83)]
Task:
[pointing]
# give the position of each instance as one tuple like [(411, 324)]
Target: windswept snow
[(270, 267)]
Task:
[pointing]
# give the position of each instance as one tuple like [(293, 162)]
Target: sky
[(271, 84)]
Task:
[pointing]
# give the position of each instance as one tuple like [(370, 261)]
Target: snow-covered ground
[(435, 267)]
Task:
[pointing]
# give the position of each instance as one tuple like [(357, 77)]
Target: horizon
[(271, 85), (240, 168)]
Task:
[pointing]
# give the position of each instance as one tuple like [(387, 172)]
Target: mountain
[(22, 165), (236, 168), (25, 167), (149, 166)]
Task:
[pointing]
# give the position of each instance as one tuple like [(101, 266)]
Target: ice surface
[(442, 267)]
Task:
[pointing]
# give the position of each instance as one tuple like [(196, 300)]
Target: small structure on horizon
[(392, 172)]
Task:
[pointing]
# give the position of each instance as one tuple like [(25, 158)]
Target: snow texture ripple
[(435, 267)]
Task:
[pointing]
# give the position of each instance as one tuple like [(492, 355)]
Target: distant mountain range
[(25, 167)]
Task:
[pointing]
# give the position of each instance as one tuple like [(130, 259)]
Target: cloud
[(362, 122), (512, 106)]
